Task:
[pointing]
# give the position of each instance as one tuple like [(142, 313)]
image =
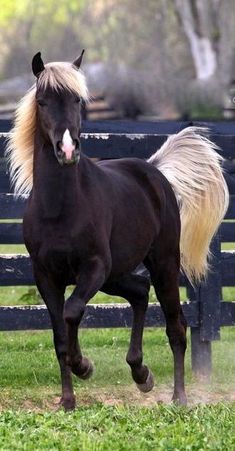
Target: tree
[(210, 29)]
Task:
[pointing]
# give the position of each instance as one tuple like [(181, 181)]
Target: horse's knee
[(140, 292), (139, 303), (73, 311)]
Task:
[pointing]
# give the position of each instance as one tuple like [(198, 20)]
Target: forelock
[(63, 76)]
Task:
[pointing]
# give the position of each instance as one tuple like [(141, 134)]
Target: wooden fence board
[(227, 232), (11, 233), (231, 209), (141, 145), (133, 126), (227, 313), (10, 207), (96, 316), (16, 270)]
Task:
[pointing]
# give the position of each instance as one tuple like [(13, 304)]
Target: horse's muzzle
[(68, 158)]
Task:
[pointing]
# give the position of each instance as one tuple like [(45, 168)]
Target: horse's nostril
[(76, 143), (59, 148)]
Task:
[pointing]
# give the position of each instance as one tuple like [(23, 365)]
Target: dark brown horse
[(91, 224)]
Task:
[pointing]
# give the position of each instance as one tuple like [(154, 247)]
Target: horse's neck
[(55, 188)]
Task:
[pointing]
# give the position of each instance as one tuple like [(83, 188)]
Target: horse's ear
[(37, 64), (78, 61)]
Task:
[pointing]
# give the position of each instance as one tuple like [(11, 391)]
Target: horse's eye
[(41, 103), (77, 100)]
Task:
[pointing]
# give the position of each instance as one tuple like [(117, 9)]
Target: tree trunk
[(199, 22)]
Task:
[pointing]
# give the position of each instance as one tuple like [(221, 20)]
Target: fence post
[(201, 357), (208, 296)]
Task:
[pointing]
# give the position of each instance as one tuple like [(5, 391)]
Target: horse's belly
[(130, 248)]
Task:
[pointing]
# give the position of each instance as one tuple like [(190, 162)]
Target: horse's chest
[(56, 255), (61, 251), (50, 246)]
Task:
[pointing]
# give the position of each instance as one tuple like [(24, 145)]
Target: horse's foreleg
[(135, 289), (165, 280), (54, 300), (91, 279)]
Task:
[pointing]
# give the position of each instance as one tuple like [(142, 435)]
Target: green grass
[(28, 366), (228, 246), (111, 414), (30, 296), (13, 249), (109, 428)]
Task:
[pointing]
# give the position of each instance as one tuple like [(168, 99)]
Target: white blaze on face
[(67, 144)]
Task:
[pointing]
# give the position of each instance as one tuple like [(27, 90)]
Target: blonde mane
[(20, 147)]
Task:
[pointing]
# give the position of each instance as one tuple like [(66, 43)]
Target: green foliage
[(144, 45), (57, 10), (31, 297), (121, 428), (10, 9), (206, 111), (31, 25)]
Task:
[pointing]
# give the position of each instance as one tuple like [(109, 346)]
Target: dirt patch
[(114, 396), (131, 396)]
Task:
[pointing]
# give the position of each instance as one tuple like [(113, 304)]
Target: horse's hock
[(205, 310)]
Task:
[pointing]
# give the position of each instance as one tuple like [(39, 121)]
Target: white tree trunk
[(193, 15)]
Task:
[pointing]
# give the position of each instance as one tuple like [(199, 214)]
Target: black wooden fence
[(205, 310)]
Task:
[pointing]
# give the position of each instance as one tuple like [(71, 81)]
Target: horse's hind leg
[(135, 289), (165, 276)]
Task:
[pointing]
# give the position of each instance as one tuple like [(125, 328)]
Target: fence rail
[(206, 312)]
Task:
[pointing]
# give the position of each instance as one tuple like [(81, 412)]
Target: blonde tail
[(193, 167)]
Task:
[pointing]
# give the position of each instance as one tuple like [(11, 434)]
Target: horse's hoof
[(85, 369), (148, 385), (89, 371), (180, 399), (68, 403)]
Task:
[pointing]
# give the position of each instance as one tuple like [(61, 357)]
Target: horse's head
[(60, 88)]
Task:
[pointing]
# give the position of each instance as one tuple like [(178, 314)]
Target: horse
[(91, 224)]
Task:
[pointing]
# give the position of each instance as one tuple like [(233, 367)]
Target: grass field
[(121, 428), (111, 414)]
